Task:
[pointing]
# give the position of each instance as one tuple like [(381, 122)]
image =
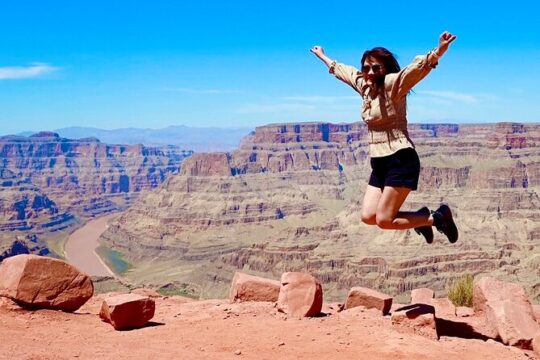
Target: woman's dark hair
[(384, 56)]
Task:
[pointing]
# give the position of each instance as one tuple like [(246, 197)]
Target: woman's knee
[(369, 219), (385, 222)]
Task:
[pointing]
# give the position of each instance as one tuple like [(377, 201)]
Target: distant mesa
[(184, 137), (46, 135)]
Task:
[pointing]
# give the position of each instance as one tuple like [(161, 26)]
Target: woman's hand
[(317, 50), (445, 39)]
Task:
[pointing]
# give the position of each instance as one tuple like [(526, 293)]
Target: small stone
[(281, 343), (237, 352), (127, 311)]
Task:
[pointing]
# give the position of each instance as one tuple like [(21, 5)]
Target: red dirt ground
[(217, 329)]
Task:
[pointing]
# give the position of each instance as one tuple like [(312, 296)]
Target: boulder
[(127, 311), (41, 282), (514, 325), (507, 311), (418, 319), (246, 287), (444, 308), (490, 289), (361, 296), (421, 296), (300, 295)]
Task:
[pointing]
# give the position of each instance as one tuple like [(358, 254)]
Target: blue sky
[(151, 64)]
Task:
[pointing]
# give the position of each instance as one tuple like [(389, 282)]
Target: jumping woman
[(395, 165)]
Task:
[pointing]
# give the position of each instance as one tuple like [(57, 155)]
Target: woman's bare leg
[(388, 215), (369, 205)]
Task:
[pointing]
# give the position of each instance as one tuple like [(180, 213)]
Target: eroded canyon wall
[(49, 183), (289, 199)]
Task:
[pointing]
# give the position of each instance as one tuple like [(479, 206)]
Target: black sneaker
[(444, 222), (425, 231)]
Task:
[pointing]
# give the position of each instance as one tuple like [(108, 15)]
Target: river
[(80, 249)]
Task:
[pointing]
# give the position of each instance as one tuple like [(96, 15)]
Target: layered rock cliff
[(289, 199), (48, 183)]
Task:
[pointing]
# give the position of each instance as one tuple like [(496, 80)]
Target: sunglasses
[(375, 68)]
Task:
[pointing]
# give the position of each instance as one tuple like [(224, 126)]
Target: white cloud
[(26, 72), (201, 91)]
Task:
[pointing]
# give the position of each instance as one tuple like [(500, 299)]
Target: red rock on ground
[(443, 307), (300, 295), (421, 296), (361, 296), (490, 289), (418, 319), (515, 326), (246, 287), (507, 311), (127, 311), (42, 282)]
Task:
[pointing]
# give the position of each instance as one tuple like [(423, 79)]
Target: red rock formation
[(44, 283), (368, 298), (418, 319), (300, 295), (288, 199), (421, 296), (48, 182), (512, 323), (489, 289), (127, 311), (246, 287)]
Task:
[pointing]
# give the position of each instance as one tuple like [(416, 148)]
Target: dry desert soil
[(216, 329)]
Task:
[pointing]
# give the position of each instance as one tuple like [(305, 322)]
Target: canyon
[(289, 199), (50, 185)]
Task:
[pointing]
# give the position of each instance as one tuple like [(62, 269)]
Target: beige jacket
[(386, 113)]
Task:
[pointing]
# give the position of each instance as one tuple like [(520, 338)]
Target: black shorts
[(401, 169)]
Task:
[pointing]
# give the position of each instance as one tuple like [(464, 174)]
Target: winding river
[(80, 249)]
